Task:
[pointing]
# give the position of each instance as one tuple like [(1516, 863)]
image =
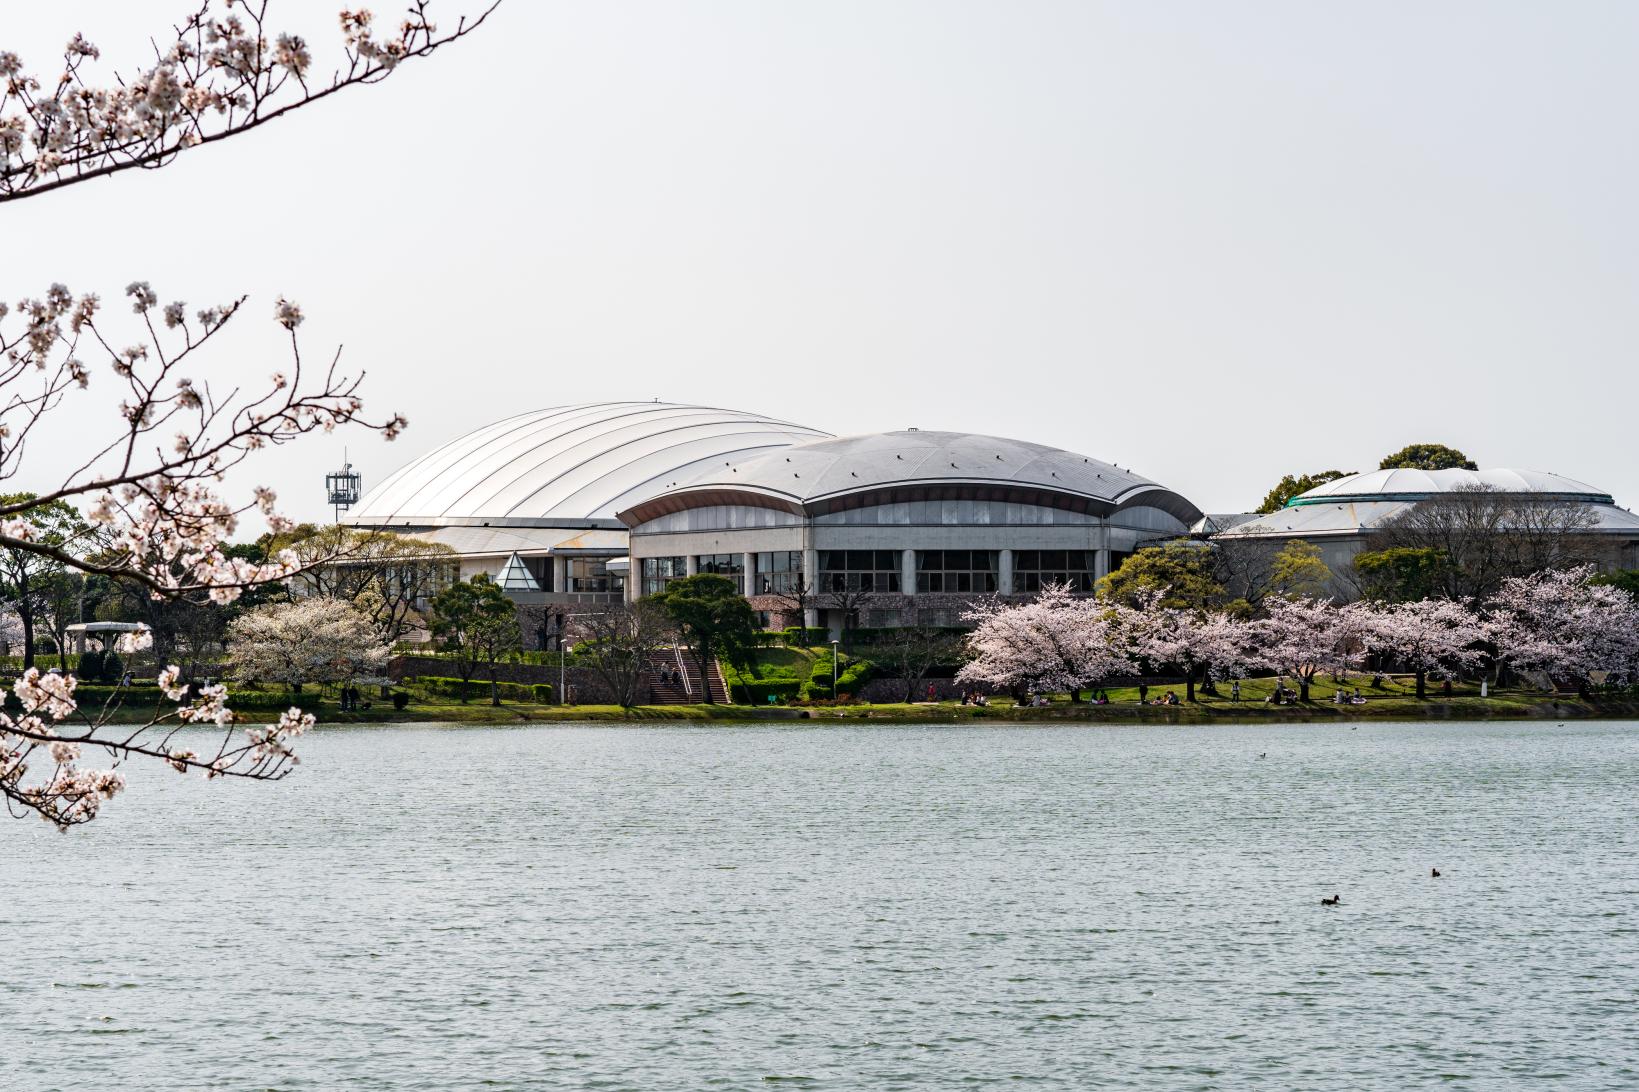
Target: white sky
[(1213, 242)]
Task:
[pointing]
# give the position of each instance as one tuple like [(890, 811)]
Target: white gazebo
[(102, 631)]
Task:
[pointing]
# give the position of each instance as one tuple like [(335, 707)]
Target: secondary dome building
[(1341, 516), (532, 499), (896, 528)]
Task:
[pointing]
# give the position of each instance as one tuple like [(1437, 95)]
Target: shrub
[(400, 700), (542, 692), (799, 637), (90, 669), (113, 668)]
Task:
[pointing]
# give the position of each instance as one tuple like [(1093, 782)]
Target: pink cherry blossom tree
[(1560, 623), (1057, 641), (1197, 642), (1303, 637), (1439, 637), (150, 484)]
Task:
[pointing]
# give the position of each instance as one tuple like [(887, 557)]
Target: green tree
[(1297, 570), (1294, 484), (29, 578), (1401, 574), (476, 622), (712, 619), (1182, 571), (1626, 579), (1427, 457)]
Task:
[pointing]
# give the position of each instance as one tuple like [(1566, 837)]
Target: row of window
[(880, 571)]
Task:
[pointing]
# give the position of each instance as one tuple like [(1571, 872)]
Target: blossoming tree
[(313, 640), (1197, 642), (1562, 624), (1439, 637), (1302, 637), (151, 482), (1056, 641)]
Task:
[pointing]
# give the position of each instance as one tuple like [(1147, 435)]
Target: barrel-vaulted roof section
[(569, 464), (1383, 484), (845, 472)]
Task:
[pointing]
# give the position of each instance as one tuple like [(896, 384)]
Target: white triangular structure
[(516, 577)]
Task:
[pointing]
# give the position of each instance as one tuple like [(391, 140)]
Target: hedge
[(756, 691), (852, 678), (798, 637), (872, 636), (540, 693)]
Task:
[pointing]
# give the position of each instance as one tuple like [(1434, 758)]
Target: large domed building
[(883, 529), (898, 528)]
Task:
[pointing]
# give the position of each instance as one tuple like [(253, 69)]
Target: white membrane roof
[(875, 463), (569, 464), (1424, 483)]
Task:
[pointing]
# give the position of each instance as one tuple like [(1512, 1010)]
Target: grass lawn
[(1394, 700)]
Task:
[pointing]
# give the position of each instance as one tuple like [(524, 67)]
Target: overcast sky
[(1213, 242)]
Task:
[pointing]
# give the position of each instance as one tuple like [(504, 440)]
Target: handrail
[(683, 672)]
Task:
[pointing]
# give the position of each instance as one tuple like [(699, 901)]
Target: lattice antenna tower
[(342, 486)]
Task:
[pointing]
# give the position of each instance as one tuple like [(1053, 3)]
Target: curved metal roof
[(569, 464), (846, 472), (1419, 484)]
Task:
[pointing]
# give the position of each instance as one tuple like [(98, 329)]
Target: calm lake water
[(1054, 907)]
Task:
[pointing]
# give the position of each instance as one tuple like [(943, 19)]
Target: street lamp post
[(833, 670)]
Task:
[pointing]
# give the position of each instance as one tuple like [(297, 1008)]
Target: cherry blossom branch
[(220, 77), (69, 795), (162, 521)]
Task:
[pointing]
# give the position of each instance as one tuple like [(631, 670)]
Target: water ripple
[(1042, 907)]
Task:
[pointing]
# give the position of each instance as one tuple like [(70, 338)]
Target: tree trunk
[(1422, 686), (1189, 685), (494, 688), (1303, 688), (705, 678), (27, 617)]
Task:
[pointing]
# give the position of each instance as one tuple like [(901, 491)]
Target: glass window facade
[(859, 570), (718, 517), (778, 572), (961, 571), (729, 565), (591, 574), (1033, 569), (957, 513), (660, 571)]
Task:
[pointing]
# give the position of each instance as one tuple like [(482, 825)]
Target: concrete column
[(907, 572), (691, 565), (1004, 572), (811, 577), (560, 573), (1101, 564), (748, 574)]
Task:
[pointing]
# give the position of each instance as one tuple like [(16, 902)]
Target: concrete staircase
[(674, 662)]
